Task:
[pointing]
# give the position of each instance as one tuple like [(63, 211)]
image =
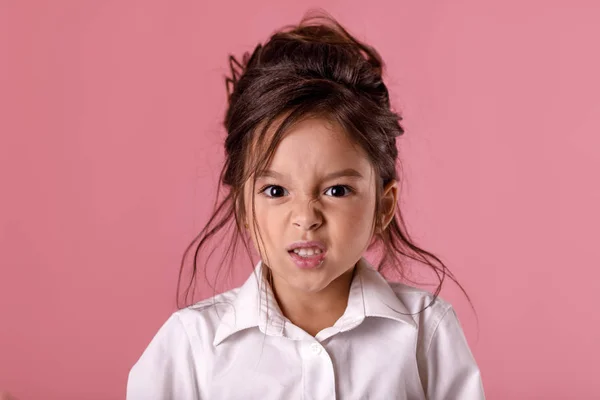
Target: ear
[(389, 198)]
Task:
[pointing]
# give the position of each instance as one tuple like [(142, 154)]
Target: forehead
[(313, 143)]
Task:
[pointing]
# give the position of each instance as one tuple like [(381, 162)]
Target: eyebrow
[(347, 173)]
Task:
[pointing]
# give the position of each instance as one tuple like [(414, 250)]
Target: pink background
[(110, 144)]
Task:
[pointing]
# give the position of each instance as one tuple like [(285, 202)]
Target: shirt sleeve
[(449, 366), (166, 369)]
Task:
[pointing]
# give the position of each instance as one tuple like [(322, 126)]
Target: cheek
[(258, 215), (268, 225), (266, 217), (355, 221)]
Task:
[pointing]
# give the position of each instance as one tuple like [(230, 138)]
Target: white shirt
[(238, 345)]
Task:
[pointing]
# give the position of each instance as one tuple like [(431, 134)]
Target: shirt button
[(315, 348)]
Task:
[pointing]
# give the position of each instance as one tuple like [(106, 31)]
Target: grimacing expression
[(319, 186)]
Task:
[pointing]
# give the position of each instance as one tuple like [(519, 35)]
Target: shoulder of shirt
[(426, 310), (416, 298), (424, 307), (209, 311)]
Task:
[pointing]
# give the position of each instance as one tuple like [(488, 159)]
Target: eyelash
[(264, 188)]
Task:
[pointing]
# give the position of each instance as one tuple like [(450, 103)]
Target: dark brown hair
[(315, 68)]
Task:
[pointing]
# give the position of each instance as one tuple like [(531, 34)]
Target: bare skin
[(320, 187)]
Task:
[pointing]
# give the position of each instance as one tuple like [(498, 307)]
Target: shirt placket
[(318, 378)]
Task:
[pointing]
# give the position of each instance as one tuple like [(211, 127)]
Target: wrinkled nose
[(307, 217)]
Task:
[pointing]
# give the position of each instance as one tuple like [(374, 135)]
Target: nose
[(306, 216)]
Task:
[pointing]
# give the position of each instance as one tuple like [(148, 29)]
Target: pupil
[(276, 191), (337, 191)]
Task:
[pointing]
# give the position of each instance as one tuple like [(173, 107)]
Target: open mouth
[(307, 254)]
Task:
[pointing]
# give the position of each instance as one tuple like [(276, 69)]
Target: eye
[(273, 191), (338, 191)]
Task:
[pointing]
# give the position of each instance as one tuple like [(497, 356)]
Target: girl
[(311, 185)]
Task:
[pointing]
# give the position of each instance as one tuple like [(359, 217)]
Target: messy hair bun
[(315, 68)]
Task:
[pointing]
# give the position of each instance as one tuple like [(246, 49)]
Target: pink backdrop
[(110, 140)]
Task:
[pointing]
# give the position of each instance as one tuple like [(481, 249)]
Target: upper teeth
[(305, 252)]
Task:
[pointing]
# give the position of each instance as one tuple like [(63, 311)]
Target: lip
[(310, 262), (306, 244)]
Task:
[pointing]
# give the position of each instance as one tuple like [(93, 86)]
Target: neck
[(314, 312)]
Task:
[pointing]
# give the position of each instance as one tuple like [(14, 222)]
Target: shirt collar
[(255, 305), (378, 297)]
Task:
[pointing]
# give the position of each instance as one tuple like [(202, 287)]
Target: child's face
[(321, 187)]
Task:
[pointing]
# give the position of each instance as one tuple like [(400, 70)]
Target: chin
[(308, 286)]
